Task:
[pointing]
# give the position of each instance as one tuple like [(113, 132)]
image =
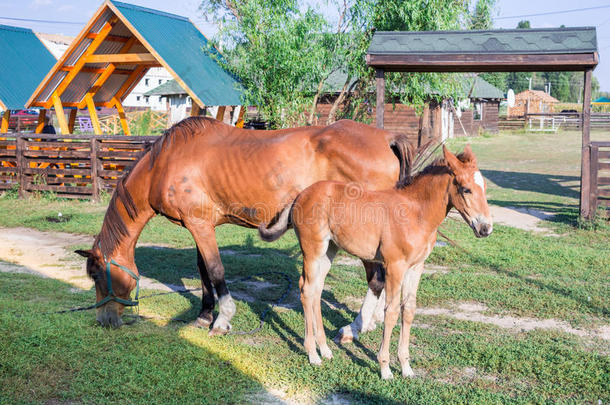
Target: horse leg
[(393, 283), (206, 317), (324, 263), (409, 292), (372, 306), (205, 239)]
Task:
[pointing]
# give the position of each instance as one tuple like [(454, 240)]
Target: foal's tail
[(274, 230)]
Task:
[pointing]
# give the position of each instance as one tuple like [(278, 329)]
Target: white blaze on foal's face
[(478, 180)]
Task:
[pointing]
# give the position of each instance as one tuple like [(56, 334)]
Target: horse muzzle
[(109, 316), (482, 227)]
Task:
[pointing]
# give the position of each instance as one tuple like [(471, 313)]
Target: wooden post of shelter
[(61, 116), (122, 116), (585, 165), (41, 118), (72, 119), (5, 119), (220, 114), (380, 77), (95, 192), (97, 129), (195, 110)]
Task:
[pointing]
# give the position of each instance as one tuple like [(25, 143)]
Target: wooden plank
[(603, 166), (6, 116), (74, 144), (93, 114), (124, 145), (71, 138), (5, 143), (8, 178), (483, 62), (380, 78), (7, 153), (604, 154), (604, 192), (220, 114), (115, 154), (111, 173), (130, 81), (603, 202), (59, 154), (95, 192), (72, 119), (41, 119), (59, 112), (63, 172), (55, 161), (593, 191), (63, 180), (20, 166), (13, 171), (601, 144), (97, 71), (112, 38), (585, 166), (56, 188), (195, 109), (603, 181), (126, 58)]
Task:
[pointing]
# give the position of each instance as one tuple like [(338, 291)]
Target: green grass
[(66, 358)]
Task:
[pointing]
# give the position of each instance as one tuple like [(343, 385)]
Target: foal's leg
[(371, 308), (409, 292), (395, 272), (206, 316), (324, 263), (205, 239), (315, 267)]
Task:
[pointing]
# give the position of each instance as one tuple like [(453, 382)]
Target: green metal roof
[(169, 88), (480, 89), (183, 47), (602, 100), (515, 41), (24, 63)]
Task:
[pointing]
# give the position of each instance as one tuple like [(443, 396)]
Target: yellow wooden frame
[(97, 128), (6, 116), (41, 118)]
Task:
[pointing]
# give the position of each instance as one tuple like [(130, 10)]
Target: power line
[(41, 21), (553, 12)]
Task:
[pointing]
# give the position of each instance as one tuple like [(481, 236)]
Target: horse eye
[(466, 190)]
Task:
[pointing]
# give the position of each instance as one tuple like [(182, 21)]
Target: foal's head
[(108, 314), (467, 191)]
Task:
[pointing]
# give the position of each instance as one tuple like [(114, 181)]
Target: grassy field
[(514, 273)]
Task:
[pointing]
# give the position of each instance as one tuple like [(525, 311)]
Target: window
[(146, 82), (160, 81), (146, 98), (137, 98), (477, 113)]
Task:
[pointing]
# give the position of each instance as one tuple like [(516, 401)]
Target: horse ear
[(84, 253), (469, 155), (452, 160)]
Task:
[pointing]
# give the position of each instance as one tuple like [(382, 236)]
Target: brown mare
[(395, 227), (203, 173)]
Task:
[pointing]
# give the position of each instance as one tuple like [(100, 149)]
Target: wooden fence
[(552, 122), (72, 166), (600, 175)]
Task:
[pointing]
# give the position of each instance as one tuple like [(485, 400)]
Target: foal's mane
[(114, 228)]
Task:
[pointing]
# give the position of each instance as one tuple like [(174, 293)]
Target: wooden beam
[(126, 58), (93, 114), (585, 159), (127, 84), (72, 119), (83, 59), (380, 77), (482, 63), (59, 112), (195, 110), (41, 118), (6, 116), (97, 70), (99, 82), (220, 114), (240, 118), (122, 117), (112, 38)]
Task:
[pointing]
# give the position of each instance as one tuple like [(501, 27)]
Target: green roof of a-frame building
[(182, 46), (24, 63)]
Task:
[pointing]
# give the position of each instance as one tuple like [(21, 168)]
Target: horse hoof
[(343, 338), (201, 323), (326, 352), (386, 374), (315, 360), (218, 332)]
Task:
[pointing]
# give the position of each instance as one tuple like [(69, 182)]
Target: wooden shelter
[(115, 50), (555, 49), (532, 102)]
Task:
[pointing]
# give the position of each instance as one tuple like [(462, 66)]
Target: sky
[(79, 11)]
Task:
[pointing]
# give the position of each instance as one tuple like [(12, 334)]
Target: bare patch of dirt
[(474, 312), (528, 219)]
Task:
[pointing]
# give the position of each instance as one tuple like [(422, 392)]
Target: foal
[(395, 227)]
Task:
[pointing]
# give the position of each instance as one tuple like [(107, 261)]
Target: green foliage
[(284, 50)]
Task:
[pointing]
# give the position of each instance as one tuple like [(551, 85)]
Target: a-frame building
[(115, 50)]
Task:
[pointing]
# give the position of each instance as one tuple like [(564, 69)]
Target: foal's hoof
[(386, 374), (218, 332), (315, 360), (326, 352), (344, 337), (202, 323)]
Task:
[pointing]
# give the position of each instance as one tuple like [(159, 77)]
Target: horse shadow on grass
[(534, 182), (255, 276)]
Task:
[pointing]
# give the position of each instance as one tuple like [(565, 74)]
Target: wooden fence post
[(94, 178), (20, 163)]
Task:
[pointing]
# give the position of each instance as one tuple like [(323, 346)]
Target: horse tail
[(274, 230), (404, 152)]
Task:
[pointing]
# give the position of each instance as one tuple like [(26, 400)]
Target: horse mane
[(420, 166), (412, 160), (114, 228)]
